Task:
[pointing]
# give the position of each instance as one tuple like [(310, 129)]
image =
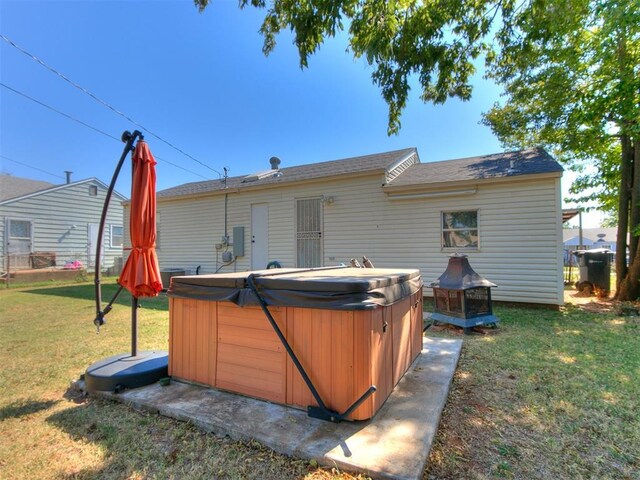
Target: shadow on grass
[(136, 442), (550, 385), (20, 408), (87, 292), (84, 424)]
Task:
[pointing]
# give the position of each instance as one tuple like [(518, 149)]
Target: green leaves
[(570, 73), (434, 42)]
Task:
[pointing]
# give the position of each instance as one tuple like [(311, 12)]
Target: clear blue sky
[(201, 82)]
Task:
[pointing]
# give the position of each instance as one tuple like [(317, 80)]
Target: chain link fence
[(43, 266)]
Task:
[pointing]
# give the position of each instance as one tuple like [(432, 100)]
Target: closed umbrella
[(141, 273)]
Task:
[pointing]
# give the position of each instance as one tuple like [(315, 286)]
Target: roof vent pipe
[(275, 163), (68, 174)]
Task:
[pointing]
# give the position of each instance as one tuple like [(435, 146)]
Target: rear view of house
[(502, 210), (42, 224)]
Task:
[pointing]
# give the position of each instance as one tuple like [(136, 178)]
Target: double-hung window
[(116, 236), (460, 230)]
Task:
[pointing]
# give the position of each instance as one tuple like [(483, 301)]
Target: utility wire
[(58, 111), (91, 127), (102, 102), (31, 166)]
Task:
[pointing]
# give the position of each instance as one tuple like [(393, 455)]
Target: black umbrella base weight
[(116, 373)]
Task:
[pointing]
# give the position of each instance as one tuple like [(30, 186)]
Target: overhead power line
[(102, 102), (58, 111), (66, 115), (31, 166)]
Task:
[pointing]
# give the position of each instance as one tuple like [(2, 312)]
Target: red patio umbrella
[(141, 273)]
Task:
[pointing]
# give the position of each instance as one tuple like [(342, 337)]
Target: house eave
[(60, 187)]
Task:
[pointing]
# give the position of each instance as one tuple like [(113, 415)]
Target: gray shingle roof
[(12, 187), (367, 163), (525, 162)]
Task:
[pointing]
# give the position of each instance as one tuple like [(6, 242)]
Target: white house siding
[(54, 214), (520, 243), (520, 238)]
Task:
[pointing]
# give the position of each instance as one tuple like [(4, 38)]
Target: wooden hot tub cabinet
[(344, 349)]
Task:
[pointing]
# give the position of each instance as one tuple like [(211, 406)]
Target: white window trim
[(463, 249), (111, 227)]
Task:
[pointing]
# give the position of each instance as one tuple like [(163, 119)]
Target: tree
[(570, 69), (571, 75)]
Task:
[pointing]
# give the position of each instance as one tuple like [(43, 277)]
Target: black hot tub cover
[(334, 288)]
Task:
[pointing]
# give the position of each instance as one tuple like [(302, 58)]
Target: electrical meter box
[(238, 241)]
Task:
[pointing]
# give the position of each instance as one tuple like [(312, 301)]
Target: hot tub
[(348, 328)]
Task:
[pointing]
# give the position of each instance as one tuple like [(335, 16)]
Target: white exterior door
[(92, 242), (259, 236), (19, 238), (309, 232)]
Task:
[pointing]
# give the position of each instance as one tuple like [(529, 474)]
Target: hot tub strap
[(321, 411)]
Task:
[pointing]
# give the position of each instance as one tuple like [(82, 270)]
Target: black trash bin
[(595, 269)]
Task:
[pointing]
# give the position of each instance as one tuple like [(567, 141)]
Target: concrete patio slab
[(395, 444)]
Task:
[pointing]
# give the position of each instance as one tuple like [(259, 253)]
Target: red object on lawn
[(141, 273)]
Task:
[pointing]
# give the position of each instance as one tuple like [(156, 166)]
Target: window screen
[(460, 229), (20, 229), (116, 236)]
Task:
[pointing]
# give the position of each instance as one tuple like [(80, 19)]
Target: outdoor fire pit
[(462, 297)]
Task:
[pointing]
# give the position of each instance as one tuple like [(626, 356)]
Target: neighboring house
[(56, 223), (591, 238), (503, 210)]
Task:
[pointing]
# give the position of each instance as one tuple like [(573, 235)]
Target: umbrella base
[(116, 373)]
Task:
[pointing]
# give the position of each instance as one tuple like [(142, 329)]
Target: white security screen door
[(19, 237), (309, 232), (259, 236)]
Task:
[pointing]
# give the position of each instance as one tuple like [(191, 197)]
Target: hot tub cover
[(334, 288)]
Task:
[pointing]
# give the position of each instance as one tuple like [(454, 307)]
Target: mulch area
[(595, 304), (455, 330)]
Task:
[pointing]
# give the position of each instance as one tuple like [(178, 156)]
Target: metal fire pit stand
[(462, 297), (122, 371), (321, 412)]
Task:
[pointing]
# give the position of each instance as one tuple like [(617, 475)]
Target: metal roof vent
[(274, 172), (512, 167)]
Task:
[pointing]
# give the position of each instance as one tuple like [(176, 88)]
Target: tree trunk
[(623, 210), (629, 286), (635, 203)]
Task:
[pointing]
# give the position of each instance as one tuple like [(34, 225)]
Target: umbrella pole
[(134, 326), (129, 139), (122, 371)]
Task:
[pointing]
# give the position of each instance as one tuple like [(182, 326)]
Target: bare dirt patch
[(594, 304)]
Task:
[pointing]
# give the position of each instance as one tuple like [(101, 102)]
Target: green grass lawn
[(547, 395)]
